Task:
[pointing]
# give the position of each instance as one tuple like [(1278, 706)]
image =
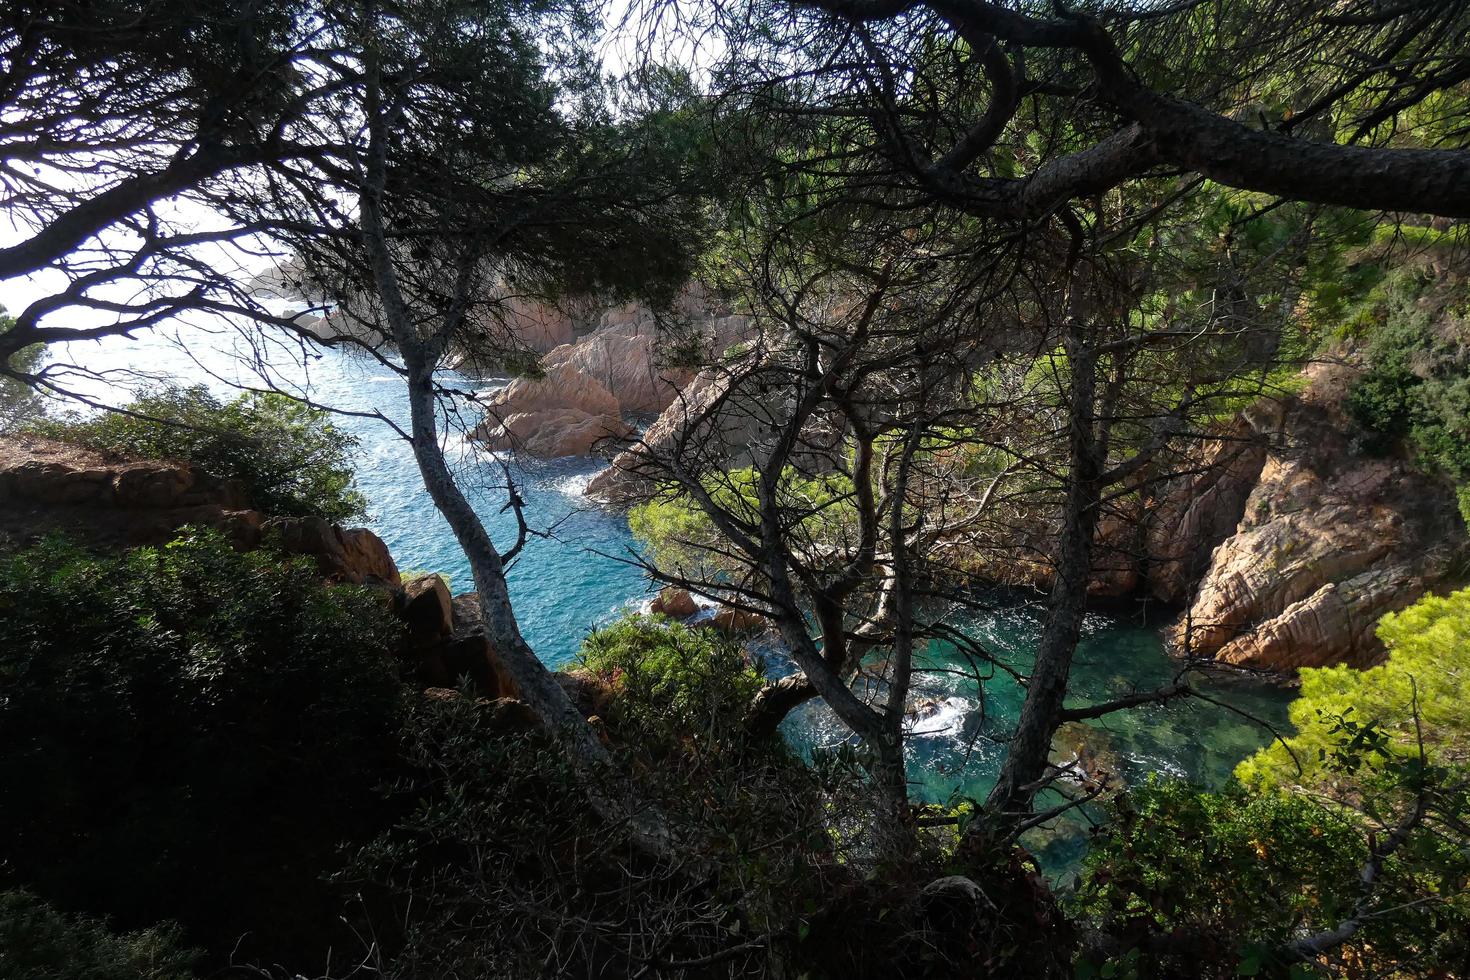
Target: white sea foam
[(574, 485), (947, 719)]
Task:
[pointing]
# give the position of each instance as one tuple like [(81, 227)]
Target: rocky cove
[(1274, 557)]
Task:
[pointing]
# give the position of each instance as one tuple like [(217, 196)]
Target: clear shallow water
[(564, 585)]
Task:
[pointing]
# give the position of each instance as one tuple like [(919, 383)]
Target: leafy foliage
[(37, 942), (195, 729), (673, 686), (1422, 688), (292, 459), (19, 403), (1227, 873), (681, 534), (1416, 390)]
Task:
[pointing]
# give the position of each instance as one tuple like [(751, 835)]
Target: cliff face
[(49, 487), (1281, 540), (1328, 540)]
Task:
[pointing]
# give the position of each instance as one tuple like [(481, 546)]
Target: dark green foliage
[(500, 866), (503, 868), (1225, 872), (37, 942), (674, 687), (1416, 390), (292, 459), (189, 733), (1217, 884)]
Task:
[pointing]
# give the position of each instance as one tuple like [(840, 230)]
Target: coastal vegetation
[(292, 460), (1148, 305)]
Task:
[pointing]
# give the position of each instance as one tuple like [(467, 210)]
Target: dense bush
[(680, 535), (1379, 756), (674, 687), (1420, 691), (292, 459), (37, 942), (502, 868), (187, 732), (1228, 875), (1416, 390)]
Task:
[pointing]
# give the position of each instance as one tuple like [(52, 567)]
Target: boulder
[(561, 387), (552, 433), (732, 620), (623, 359), (426, 608), (674, 603), (351, 555), (588, 693), (465, 609)]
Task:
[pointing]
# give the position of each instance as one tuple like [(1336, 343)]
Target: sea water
[(579, 573)]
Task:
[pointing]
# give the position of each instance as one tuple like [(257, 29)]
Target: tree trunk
[(534, 684), (1030, 747)]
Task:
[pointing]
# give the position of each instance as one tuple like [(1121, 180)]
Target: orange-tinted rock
[(732, 620), (674, 603), (466, 610), (352, 555), (48, 486), (426, 608), (553, 433), (1329, 541)]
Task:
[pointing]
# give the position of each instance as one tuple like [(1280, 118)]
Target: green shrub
[(193, 731), (1224, 872), (37, 942), (1421, 690), (673, 685), (1416, 390), (1281, 853), (292, 459), (501, 867), (680, 535)]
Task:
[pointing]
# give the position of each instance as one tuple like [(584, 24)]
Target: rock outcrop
[(589, 387), (1328, 540), (622, 355), (1283, 541), (566, 412), (48, 487), (695, 418)]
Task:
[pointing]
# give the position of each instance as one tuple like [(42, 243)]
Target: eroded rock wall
[(1328, 541)]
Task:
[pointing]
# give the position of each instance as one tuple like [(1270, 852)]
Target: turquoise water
[(562, 585), (565, 584)]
